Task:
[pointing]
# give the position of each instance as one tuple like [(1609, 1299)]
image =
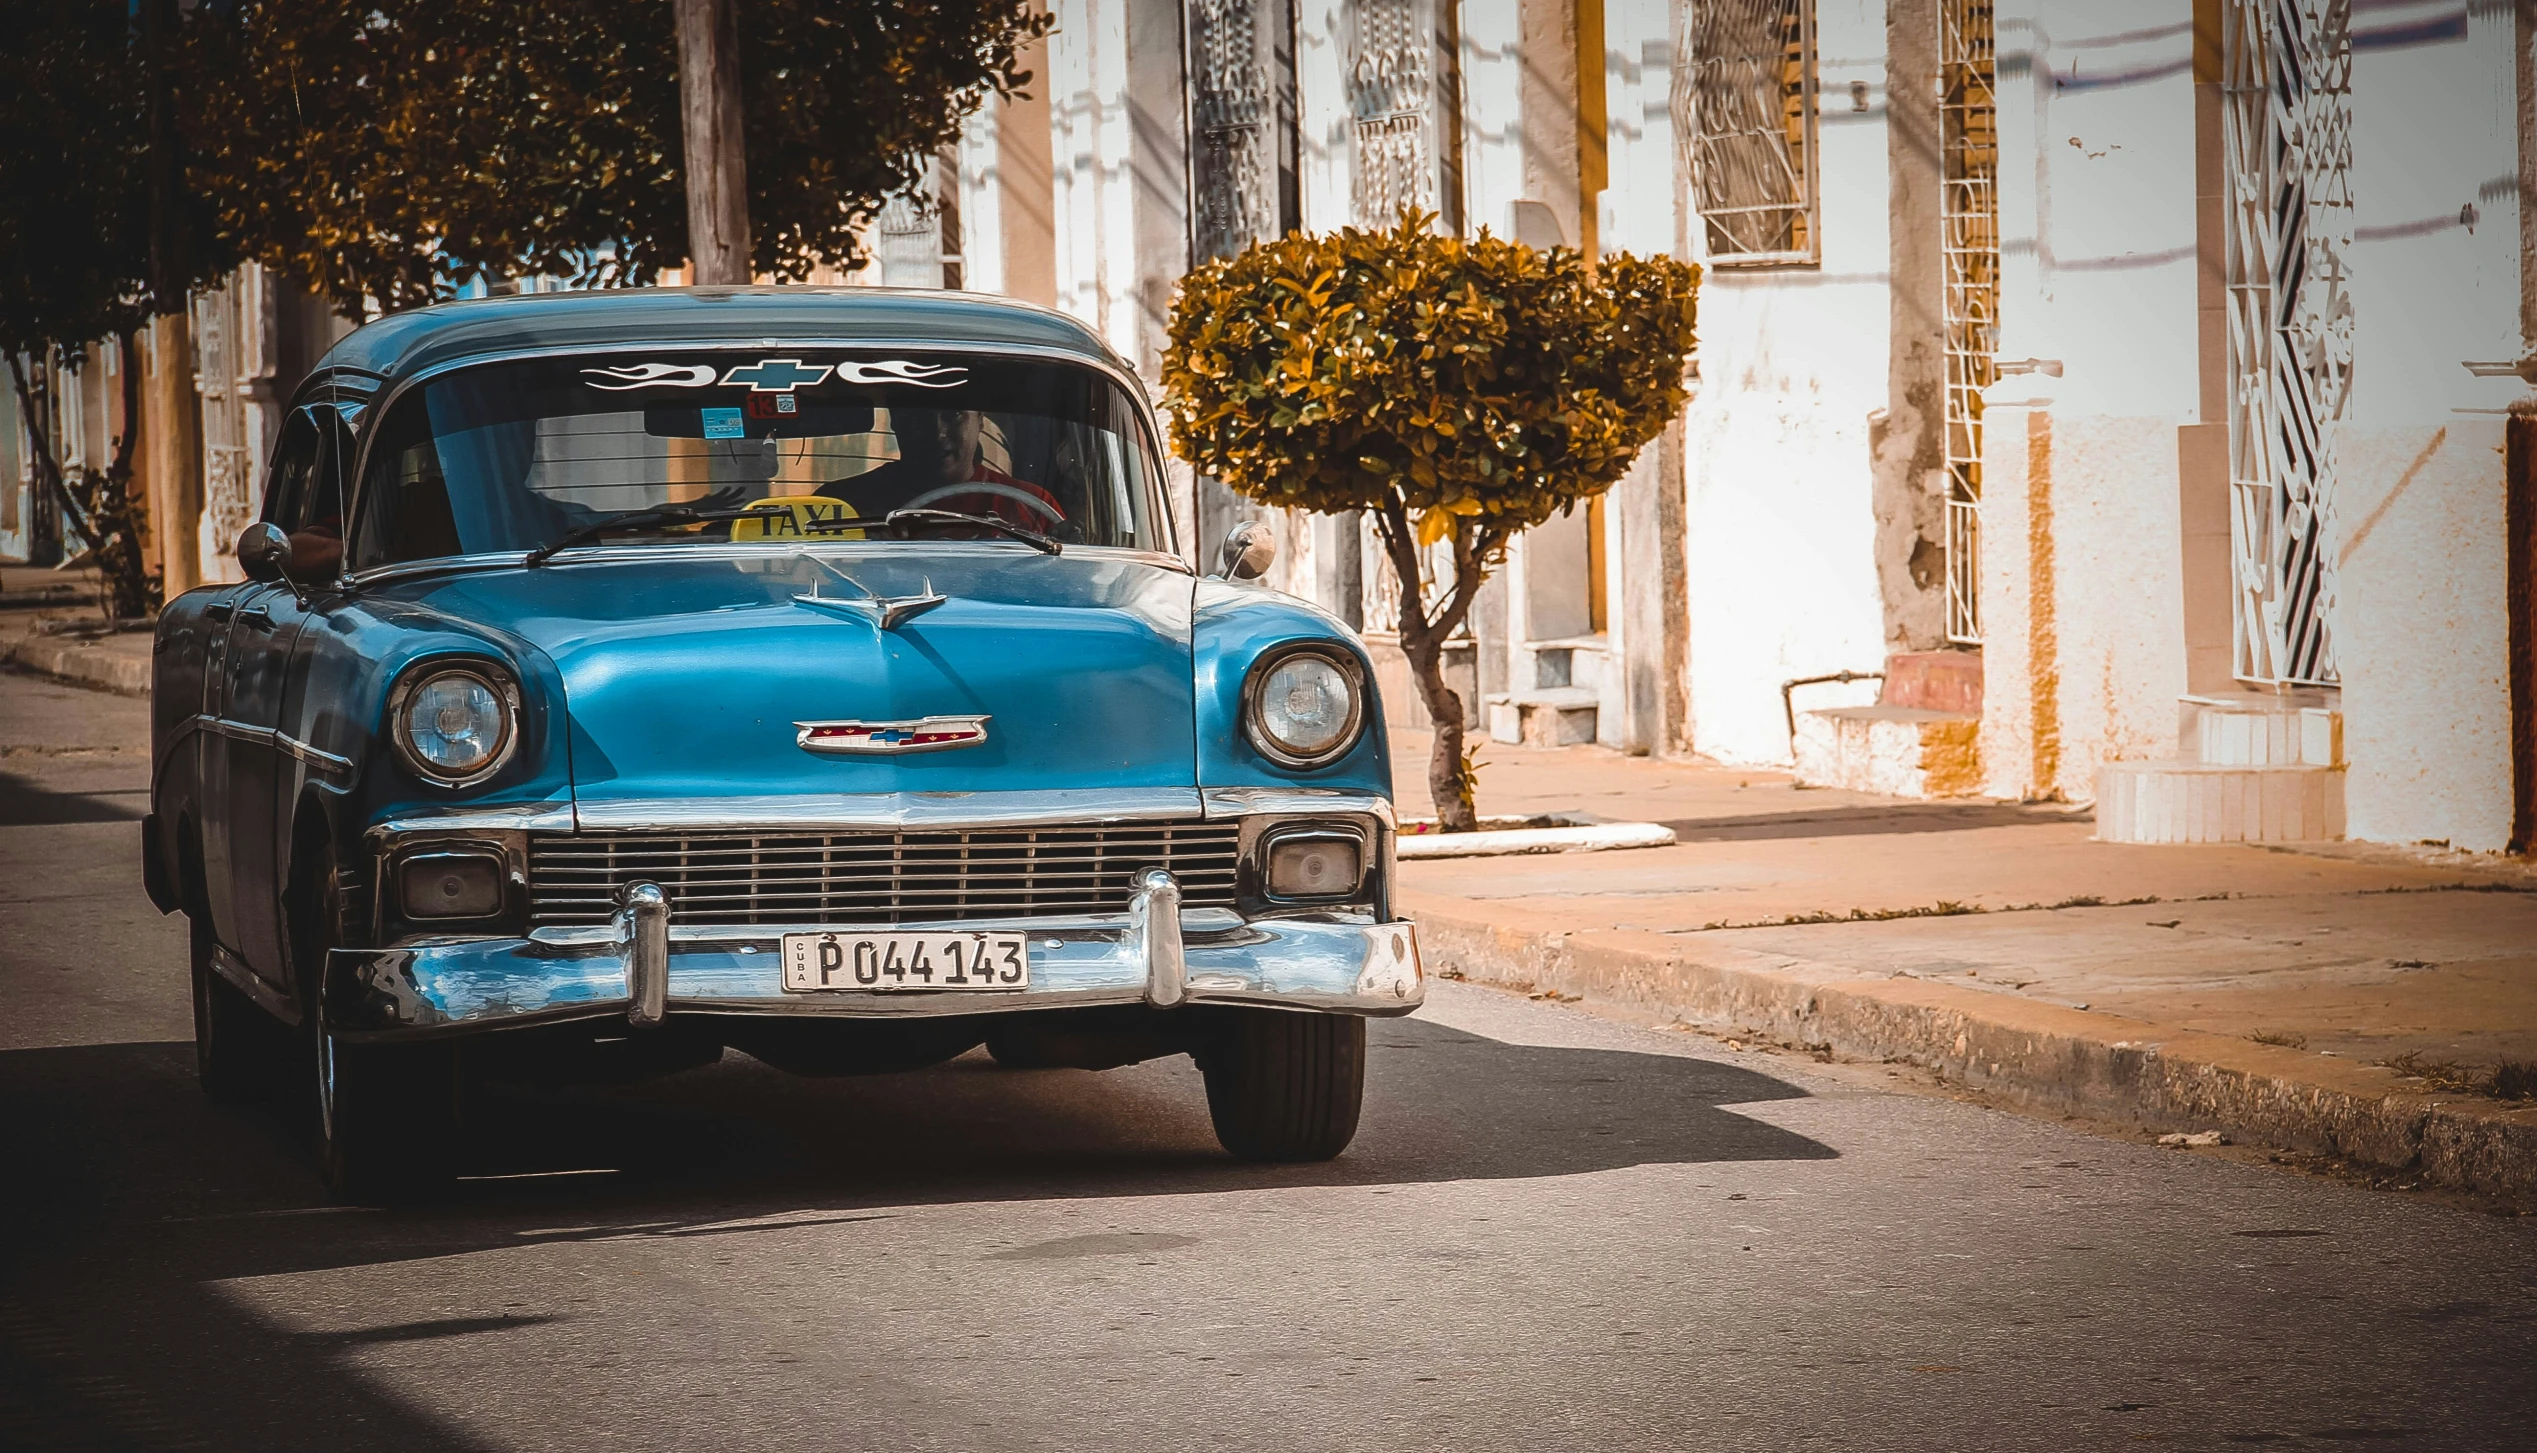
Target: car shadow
[(25, 804), (134, 1200)]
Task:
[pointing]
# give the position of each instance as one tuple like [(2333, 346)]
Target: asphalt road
[(1555, 1231)]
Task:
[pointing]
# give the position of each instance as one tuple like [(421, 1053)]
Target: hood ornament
[(886, 612), (882, 738)]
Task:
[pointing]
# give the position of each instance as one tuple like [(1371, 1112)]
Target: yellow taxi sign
[(790, 517)]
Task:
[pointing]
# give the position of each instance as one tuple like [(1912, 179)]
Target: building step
[(1898, 751), (2261, 732), (1553, 716), (2204, 802)]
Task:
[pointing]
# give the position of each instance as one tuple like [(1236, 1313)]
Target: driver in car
[(938, 455)]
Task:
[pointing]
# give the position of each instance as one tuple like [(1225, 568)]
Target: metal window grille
[(229, 492), (1242, 124), (1969, 216), (2286, 129), (1392, 95), (918, 232), (1751, 131)]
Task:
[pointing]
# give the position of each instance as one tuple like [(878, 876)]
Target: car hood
[(685, 678)]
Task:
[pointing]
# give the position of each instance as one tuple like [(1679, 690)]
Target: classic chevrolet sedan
[(624, 678)]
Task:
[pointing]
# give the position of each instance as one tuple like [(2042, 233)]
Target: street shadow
[(133, 1200), (25, 804), (1874, 821)]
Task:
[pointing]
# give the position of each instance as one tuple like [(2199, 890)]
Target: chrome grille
[(879, 877)]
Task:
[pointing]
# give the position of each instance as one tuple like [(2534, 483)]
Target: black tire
[(232, 1037), (386, 1115), (1286, 1086), (1015, 1050)]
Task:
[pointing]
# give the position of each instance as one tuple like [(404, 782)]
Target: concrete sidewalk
[(49, 623), (2250, 990)]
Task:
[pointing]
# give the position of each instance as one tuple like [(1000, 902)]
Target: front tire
[(387, 1117), (1284, 1085), (386, 1114)]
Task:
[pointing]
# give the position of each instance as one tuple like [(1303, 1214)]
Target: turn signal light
[(1319, 865), (452, 885)]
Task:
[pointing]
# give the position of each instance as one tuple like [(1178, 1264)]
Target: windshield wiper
[(629, 520), (904, 518)]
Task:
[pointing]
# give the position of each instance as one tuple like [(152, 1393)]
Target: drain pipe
[(1788, 705)]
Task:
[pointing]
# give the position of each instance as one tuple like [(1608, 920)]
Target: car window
[(304, 496), (512, 456)]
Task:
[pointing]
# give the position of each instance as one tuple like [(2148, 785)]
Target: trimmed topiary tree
[(1461, 391)]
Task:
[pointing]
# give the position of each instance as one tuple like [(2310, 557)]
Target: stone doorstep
[(2201, 802), (2040, 1056), (1895, 751), (2234, 733), (1549, 716)]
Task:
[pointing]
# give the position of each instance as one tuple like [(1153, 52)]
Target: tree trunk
[(1423, 642), (717, 168), (1448, 779)]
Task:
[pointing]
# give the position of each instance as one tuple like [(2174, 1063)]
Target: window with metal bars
[(1969, 211), (1751, 131)]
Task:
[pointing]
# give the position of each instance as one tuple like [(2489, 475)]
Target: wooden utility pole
[(717, 165)]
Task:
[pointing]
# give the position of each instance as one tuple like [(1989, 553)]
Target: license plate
[(817, 962)]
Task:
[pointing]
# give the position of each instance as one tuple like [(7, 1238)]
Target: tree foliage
[(76, 245), (74, 206), (400, 149), (1460, 390)]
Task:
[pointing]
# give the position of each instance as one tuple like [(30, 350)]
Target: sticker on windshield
[(724, 424), (651, 375), (899, 370)]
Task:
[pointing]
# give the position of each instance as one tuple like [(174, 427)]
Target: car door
[(260, 770)]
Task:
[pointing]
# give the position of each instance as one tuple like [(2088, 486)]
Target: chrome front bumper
[(646, 967)]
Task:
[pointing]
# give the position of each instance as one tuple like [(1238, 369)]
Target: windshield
[(514, 456)]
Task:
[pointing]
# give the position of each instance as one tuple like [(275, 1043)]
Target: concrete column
[(2202, 447), (1652, 624), (1025, 202), (1548, 37), (171, 439), (1907, 447), (1158, 170)]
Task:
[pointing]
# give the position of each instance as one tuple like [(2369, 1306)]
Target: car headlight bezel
[(1255, 727), (497, 682)]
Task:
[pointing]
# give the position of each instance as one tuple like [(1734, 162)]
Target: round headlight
[(1305, 709), (455, 725)]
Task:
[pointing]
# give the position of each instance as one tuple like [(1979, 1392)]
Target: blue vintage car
[(626, 677)]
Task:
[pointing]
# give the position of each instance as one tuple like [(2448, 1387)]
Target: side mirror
[(1249, 550), (264, 552)]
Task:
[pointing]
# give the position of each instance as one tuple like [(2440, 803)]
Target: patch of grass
[(1942, 909), (2507, 1080), (2286, 1038)]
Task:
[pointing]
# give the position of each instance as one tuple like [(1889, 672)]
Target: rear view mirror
[(1249, 550), (264, 552)]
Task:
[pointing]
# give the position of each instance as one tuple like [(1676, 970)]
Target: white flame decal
[(650, 375), (899, 370)]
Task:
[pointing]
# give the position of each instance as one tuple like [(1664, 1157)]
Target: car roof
[(402, 344)]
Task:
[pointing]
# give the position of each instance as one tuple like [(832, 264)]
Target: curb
[(2039, 1055), (82, 665), (1601, 837)]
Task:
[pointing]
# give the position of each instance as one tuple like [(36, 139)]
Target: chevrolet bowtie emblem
[(868, 738)]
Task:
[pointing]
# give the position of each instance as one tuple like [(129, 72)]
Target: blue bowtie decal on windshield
[(778, 375)]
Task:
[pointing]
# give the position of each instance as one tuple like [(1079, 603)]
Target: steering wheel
[(1022, 497)]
